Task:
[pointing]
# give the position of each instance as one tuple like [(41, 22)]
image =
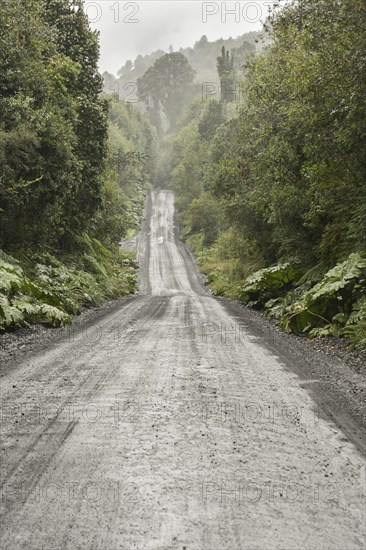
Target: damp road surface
[(170, 423)]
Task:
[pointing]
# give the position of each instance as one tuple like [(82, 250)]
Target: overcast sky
[(128, 29)]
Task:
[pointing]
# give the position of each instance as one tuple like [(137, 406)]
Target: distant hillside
[(202, 57)]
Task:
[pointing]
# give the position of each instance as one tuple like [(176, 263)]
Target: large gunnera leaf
[(268, 283), (334, 294)]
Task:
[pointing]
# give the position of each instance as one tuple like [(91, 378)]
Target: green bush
[(327, 305), (355, 327), (43, 289), (319, 303), (268, 283)]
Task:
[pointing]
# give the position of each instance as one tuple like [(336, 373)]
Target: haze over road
[(169, 423)]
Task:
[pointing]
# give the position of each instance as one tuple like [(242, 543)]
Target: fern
[(91, 264), (45, 290), (53, 315), (9, 315), (25, 306), (321, 332), (313, 275), (9, 281)]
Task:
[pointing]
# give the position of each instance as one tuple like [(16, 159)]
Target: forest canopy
[(269, 170), (276, 176), (74, 167)]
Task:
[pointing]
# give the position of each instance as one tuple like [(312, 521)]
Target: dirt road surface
[(169, 423)]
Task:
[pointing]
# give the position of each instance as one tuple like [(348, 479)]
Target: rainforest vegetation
[(271, 178), (74, 168), (267, 162)]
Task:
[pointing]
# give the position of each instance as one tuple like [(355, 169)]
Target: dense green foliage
[(328, 304), (130, 165), (53, 133), (74, 167), (280, 175), (42, 289), (201, 57)]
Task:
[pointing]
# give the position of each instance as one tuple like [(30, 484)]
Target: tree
[(211, 119), (302, 137), (75, 40), (166, 87), (53, 132), (203, 41), (225, 69)]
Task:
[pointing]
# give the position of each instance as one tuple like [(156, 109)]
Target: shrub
[(329, 303), (44, 289), (268, 283)]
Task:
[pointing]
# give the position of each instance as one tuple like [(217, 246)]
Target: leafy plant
[(45, 290), (355, 328), (268, 283), (334, 294)]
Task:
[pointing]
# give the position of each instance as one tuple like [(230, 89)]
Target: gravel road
[(172, 422)]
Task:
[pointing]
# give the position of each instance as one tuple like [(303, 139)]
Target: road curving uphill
[(171, 423)]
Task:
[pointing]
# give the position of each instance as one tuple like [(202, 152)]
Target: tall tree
[(225, 69), (166, 87), (53, 131)]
